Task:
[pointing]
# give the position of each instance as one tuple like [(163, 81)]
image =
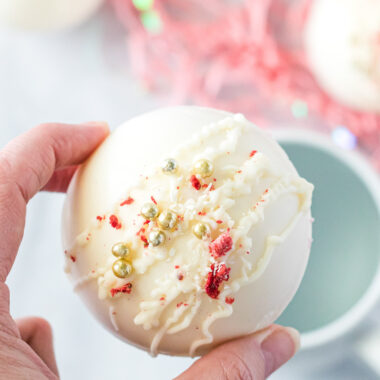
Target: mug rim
[(362, 168)]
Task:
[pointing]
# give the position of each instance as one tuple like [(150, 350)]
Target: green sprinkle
[(300, 109), (143, 5), (151, 21)]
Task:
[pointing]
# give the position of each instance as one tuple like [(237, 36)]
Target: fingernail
[(103, 124), (279, 346)]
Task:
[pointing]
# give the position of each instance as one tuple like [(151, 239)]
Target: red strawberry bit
[(147, 222), (219, 221), (176, 266), (205, 186), (145, 240), (179, 304), (252, 153), (162, 299), (218, 274), (195, 182), (128, 201), (221, 245), (180, 276), (73, 258), (153, 200), (114, 222), (230, 300), (127, 288), (202, 213), (100, 218)]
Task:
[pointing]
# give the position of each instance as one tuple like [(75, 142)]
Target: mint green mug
[(342, 281)]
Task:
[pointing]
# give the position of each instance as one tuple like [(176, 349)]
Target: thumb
[(253, 357), (36, 332)]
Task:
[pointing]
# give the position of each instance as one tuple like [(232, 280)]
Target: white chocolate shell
[(254, 197), (342, 42)]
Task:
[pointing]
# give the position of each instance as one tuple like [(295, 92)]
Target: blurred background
[(114, 60)]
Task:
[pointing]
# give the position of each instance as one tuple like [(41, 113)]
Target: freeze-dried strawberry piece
[(127, 288), (195, 182), (218, 274), (221, 245)]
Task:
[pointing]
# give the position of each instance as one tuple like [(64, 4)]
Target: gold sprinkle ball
[(149, 211), (167, 220), (156, 238), (122, 268), (204, 168), (169, 166), (201, 230), (121, 250)]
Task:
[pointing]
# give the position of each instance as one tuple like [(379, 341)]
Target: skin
[(45, 158)]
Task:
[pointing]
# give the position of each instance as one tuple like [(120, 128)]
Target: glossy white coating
[(254, 196)]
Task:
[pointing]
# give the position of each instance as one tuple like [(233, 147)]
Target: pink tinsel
[(222, 53)]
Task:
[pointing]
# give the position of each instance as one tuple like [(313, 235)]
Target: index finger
[(26, 165)]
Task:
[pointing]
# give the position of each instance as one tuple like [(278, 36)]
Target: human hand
[(45, 158)]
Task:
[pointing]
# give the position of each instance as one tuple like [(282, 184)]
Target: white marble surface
[(79, 76)]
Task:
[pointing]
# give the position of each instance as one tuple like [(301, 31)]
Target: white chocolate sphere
[(46, 14), (342, 42), (255, 205)]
